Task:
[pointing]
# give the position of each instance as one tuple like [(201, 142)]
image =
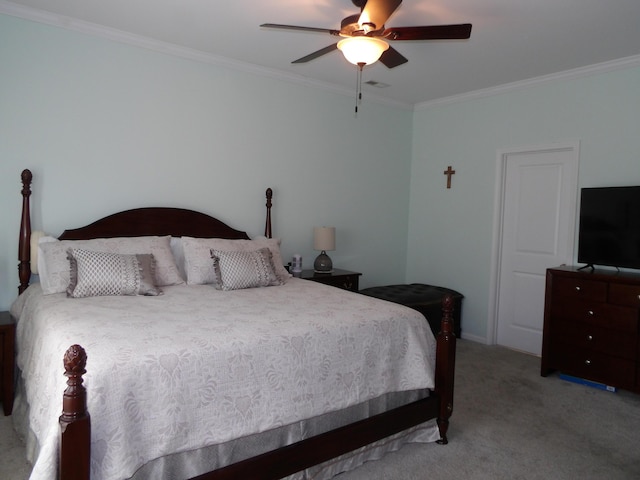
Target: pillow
[(178, 254), (99, 273), (54, 272), (33, 244), (237, 269), (197, 256), (42, 266)]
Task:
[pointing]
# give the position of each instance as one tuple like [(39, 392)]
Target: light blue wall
[(106, 126), (451, 231)]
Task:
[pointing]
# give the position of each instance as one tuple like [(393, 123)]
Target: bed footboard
[(445, 366), (75, 424)]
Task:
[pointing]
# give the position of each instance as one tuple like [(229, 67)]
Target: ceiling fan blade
[(304, 29), (433, 32), (316, 54), (391, 58), (377, 12)]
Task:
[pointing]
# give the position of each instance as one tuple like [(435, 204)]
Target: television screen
[(609, 232)]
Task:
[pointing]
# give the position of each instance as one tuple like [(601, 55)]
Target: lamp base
[(322, 263)]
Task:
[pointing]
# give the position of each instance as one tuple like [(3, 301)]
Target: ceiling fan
[(365, 36)]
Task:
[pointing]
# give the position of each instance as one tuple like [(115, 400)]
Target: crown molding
[(88, 28), (613, 65)]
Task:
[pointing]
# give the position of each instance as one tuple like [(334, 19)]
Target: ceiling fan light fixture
[(362, 50)]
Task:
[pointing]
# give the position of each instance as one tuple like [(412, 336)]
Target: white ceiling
[(511, 40)]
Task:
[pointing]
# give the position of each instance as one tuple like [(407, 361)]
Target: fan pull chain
[(360, 66)]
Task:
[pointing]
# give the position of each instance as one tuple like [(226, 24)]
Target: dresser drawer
[(578, 288), (614, 317), (589, 337), (622, 294), (585, 363)]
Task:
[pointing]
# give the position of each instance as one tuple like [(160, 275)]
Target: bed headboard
[(160, 221), (150, 221)]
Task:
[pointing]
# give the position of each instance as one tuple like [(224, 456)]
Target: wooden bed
[(75, 425)]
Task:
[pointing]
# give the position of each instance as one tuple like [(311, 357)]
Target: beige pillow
[(237, 270), (197, 256), (99, 273), (56, 272)]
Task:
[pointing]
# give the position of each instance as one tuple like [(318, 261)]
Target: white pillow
[(197, 256), (33, 247), (178, 255), (54, 277), (42, 266)]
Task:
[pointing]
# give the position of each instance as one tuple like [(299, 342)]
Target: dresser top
[(606, 275), (5, 318)]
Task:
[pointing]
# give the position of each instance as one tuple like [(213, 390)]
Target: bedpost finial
[(26, 177), (447, 313), (75, 360)]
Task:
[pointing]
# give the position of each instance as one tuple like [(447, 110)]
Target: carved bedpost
[(24, 242), (75, 423), (267, 227), (446, 360)]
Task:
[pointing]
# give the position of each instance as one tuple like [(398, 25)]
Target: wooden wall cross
[(448, 172)]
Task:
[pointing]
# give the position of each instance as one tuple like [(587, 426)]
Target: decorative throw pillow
[(54, 272), (197, 256), (237, 269), (99, 273)]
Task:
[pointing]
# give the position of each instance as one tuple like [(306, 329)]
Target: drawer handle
[(589, 337), (587, 362)]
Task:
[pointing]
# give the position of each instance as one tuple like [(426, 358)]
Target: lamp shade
[(324, 238), (359, 50)]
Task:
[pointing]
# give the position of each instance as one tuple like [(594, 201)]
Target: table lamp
[(324, 238)]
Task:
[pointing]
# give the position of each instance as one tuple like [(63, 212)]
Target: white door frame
[(498, 213)]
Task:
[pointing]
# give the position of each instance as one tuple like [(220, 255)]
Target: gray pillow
[(244, 269), (100, 273)]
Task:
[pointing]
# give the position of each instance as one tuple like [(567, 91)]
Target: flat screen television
[(609, 231)]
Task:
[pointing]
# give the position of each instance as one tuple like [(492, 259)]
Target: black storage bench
[(427, 299)]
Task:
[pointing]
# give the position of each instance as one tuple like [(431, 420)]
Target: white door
[(538, 205)]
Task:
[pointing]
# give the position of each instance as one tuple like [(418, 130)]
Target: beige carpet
[(508, 423)]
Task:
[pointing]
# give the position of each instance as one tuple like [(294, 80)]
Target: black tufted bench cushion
[(427, 299)]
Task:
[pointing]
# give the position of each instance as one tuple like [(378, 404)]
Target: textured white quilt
[(197, 366)]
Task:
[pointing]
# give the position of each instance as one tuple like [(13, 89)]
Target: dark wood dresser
[(591, 326)]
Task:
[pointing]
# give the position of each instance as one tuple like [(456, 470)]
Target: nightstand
[(7, 360), (338, 278)]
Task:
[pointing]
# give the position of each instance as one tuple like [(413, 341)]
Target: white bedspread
[(198, 366)]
